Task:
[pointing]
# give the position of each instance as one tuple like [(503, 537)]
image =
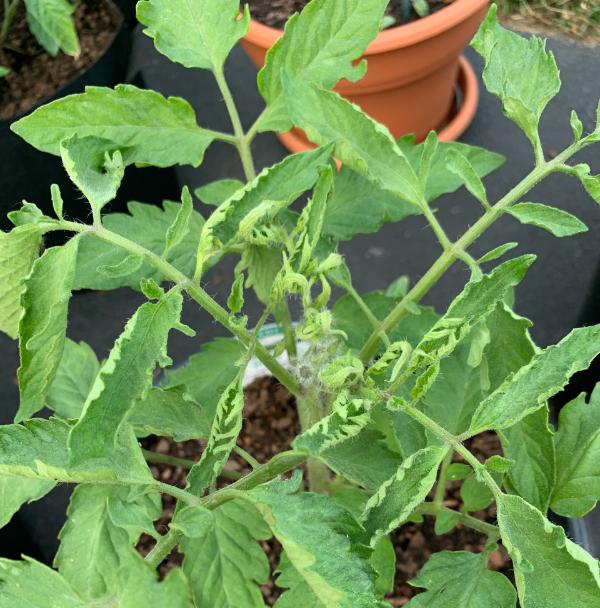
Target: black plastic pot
[(127, 7), (27, 173)]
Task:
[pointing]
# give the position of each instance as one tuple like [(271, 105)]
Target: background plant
[(388, 392), (50, 21)]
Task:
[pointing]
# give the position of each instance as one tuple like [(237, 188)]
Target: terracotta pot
[(412, 73)]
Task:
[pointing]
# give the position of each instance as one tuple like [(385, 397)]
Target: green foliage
[(42, 327), (519, 72), (197, 34), (18, 250), (389, 393), (558, 222), (461, 579), (319, 48), (145, 126), (550, 570), (224, 562), (51, 22), (577, 443)]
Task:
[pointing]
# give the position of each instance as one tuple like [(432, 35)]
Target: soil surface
[(270, 424), (36, 75), (276, 12)]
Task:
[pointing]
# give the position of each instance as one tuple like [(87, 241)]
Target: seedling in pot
[(389, 394)]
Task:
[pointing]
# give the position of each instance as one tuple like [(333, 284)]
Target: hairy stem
[(490, 530), (310, 412), (440, 490), (368, 313), (196, 292), (450, 255), (184, 463), (242, 143), (283, 462)]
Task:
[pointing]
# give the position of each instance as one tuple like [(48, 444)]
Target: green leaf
[(518, 71), (457, 471), (445, 521), (46, 588), (125, 268), (530, 444), (262, 265), (528, 389), (556, 221), (125, 377), (45, 302), (15, 492), (475, 494), (195, 33), (18, 250), (348, 417), (51, 22), (193, 521), (218, 192), (396, 499), (147, 226), (225, 429), (358, 206), (73, 381), (235, 301), (95, 166), (4, 71), (383, 561), (460, 165), (178, 230), (147, 127), (89, 531), (319, 48), (207, 373), (319, 540), (440, 178), (226, 565), (364, 459), (550, 570), (57, 201), (497, 252), (576, 126), (168, 413), (360, 143), (283, 182), (577, 464), (37, 449), (460, 578), (478, 299)]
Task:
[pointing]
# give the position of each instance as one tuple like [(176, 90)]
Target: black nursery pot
[(128, 8), (27, 173)]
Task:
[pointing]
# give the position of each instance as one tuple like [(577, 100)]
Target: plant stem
[(436, 226), (184, 463), (283, 462), (368, 313), (490, 530), (448, 257), (242, 453), (242, 143), (440, 490), (196, 292), (310, 412), (10, 12)]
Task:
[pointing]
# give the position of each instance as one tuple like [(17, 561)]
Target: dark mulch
[(270, 424), (36, 75), (276, 12)]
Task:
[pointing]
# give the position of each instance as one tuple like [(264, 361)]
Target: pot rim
[(398, 37)]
